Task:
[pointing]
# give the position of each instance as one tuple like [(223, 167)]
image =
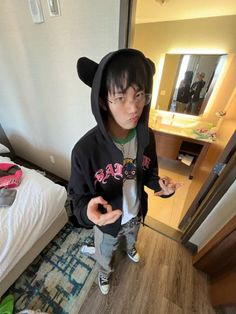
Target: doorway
[(166, 214)]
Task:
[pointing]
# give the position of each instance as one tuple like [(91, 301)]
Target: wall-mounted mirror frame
[(187, 82)]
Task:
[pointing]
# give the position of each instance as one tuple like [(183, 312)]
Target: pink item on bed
[(10, 175)]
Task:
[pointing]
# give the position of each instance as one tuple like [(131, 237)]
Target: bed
[(31, 222)]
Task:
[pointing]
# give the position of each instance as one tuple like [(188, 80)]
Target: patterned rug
[(59, 278)]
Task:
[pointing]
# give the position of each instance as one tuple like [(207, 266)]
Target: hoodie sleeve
[(79, 191), (151, 177)]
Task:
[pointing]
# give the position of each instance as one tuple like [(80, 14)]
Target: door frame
[(212, 189), (222, 174), (126, 22), (213, 196), (217, 259)]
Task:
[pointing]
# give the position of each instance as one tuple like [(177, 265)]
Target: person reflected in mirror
[(195, 92), (183, 95)]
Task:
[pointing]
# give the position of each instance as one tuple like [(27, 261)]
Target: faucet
[(172, 119)]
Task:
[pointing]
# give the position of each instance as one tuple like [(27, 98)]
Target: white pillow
[(4, 149)]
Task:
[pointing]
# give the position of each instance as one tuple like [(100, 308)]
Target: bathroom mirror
[(187, 81)]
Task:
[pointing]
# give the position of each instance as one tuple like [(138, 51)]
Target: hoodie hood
[(91, 73)]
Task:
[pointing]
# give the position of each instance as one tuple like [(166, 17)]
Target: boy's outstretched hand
[(168, 186), (95, 215)]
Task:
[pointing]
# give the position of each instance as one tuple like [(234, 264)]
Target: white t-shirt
[(130, 199)]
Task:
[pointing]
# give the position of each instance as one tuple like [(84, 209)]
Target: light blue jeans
[(106, 244)]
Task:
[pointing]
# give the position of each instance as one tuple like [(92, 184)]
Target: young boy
[(113, 161)]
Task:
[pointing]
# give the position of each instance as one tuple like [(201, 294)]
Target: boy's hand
[(168, 186), (97, 217)]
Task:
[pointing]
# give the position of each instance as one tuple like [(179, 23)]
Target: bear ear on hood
[(151, 65), (86, 69)]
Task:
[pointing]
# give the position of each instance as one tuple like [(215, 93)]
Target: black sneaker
[(133, 255), (103, 283)]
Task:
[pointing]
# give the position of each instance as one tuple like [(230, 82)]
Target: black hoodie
[(96, 165)]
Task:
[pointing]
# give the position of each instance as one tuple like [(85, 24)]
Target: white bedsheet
[(38, 203)]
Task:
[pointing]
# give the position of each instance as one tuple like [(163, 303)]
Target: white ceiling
[(148, 11)]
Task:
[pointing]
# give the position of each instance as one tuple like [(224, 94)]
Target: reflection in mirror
[(187, 82)]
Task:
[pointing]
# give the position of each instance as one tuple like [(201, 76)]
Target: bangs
[(124, 71)]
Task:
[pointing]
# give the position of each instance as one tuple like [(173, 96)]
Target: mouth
[(134, 119)]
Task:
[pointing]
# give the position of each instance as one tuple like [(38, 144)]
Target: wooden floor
[(163, 282)]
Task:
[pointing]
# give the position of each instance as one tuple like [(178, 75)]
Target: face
[(200, 76), (125, 109)]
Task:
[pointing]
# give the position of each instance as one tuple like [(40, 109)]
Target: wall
[(206, 35), (44, 107), (222, 213)]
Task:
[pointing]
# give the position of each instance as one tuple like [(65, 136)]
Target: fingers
[(162, 184), (92, 209), (97, 200), (108, 208), (166, 180), (95, 215), (160, 193), (178, 185), (109, 218), (168, 186)]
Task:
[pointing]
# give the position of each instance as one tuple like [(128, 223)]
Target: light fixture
[(36, 11), (54, 7)]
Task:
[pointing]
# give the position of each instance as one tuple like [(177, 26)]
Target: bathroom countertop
[(183, 131)]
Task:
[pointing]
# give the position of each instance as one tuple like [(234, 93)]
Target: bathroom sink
[(185, 131), (187, 126), (174, 130)]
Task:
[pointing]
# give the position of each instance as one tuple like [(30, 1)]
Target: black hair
[(123, 71), (188, 76)]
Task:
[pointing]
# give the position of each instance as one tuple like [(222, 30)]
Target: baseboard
[(26, 163), (162, 228), (193, 248)]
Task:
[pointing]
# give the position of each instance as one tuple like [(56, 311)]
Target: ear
[(102, 104)]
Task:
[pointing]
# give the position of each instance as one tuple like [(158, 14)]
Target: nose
[(132, 105)]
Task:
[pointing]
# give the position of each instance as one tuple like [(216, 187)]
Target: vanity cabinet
[(172, 145)]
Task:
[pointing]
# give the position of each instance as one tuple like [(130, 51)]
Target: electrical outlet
[(52, 159)]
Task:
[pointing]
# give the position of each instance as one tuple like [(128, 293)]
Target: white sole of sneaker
[(103, 291), (133, 259), (85, 249)]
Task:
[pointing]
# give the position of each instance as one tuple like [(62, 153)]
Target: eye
[(139, 96), (119, 99)]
